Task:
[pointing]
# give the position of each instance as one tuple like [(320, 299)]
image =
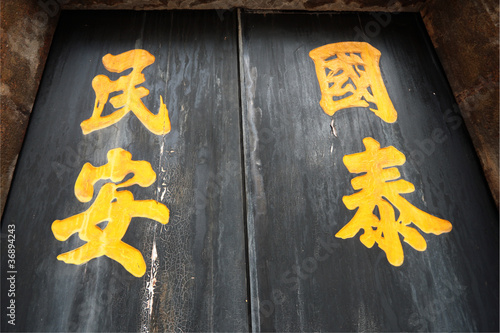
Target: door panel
[(303, 278), (267, 224), (195, 265)]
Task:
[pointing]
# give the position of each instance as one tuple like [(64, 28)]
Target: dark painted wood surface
[(200, 279), (302, 277)]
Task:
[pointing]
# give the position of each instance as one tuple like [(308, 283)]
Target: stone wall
[(317, 5), (25, 36), (464, 33), (465, 36)]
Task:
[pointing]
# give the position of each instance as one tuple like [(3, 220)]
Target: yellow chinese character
[(130, 98), (379, 188), (349, 76), (115, 207)]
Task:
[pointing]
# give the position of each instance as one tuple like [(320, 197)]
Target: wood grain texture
[(200, 283), (289, 206), (302, 277)]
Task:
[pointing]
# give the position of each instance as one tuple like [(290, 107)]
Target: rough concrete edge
[(43, 52), (297, 5), (492, 181)]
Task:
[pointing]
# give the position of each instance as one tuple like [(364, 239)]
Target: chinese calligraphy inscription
[(380, 187), (349, 76), (130, 98), (112, 206)]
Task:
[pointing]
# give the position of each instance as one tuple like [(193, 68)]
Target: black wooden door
[(195, 277), (302, 277), (231, 146)]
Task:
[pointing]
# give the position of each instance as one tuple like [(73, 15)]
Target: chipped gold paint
[(380, 187), (115, 207), (349, 76), (130, 98)]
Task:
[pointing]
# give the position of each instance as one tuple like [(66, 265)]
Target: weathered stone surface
[(26, 32), (465, 35), (334, 5)]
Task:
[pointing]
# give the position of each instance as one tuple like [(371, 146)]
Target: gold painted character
[(381, 187), (349, 76), (130, 97), (111, 205)]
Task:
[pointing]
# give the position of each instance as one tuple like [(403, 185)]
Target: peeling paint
[(150, 287)]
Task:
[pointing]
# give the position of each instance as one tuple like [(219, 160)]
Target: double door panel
[(253, 173)]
